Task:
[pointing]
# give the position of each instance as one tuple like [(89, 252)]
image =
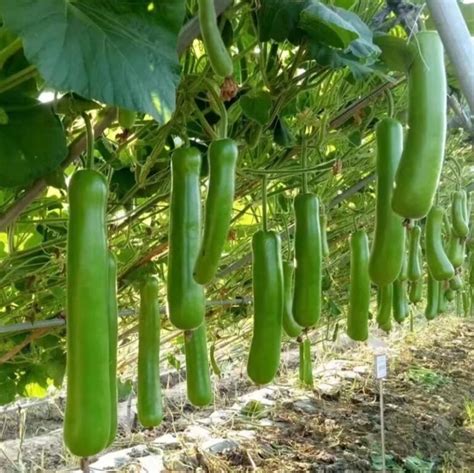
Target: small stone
[(220, 417), (196, 433), (243, 434), (349, 375), (118, 458), (166, 441), (330, 386), (152, 463), (264, 395), (305, 405), (219, 445)]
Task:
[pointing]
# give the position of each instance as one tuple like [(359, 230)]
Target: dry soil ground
[(429, 416)]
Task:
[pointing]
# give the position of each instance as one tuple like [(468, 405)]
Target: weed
[(469, 412), (430, 379)]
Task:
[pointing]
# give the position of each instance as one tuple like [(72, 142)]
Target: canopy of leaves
[(313, 80)]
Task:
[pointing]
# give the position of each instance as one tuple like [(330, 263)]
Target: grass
[(429, 379), (469, 412)]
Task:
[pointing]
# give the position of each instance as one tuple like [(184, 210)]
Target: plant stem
[(304, 162), (89, 141), (391, 106), (18, 78), (9, 51), (205, 124), (264, 204), (217, 101)]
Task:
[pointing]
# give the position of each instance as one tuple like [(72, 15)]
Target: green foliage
[(33, 138), (124, 389), (104, 50), (427, 377), (336, 37), (395, 52), (257, 106), (7, 391), (254, 409), (310, 76), (279, 19), (328, 26)]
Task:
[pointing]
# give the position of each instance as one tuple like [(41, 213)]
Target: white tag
[(380, 366)]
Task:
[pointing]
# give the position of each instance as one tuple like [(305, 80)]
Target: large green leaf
[(120, 52), (257, 106), (325, 25), (7, 391), (278, 19), (338, 28), (363, 47), (32, 143), (396, 53)]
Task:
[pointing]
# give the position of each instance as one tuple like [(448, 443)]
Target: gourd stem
[(89, 141), (264, 204)]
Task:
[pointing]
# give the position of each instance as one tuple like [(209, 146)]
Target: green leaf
[(336, 60), (32, 143), (278, 20), (7, 391), (57, 179), (257, 107), (281, 133), (390, 463), (124, 389), (56, 368), (395, 52), (34, 381), (118, 52), (325, 25), (363, 47), (173, 361), (6, 370), (417, 465)]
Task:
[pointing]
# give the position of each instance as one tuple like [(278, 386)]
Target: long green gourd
[(441, 298), (400, 303), (88, 410), (384, 307), (416, 291), (198, 378), (219, 58), (359, 298), (307, 369), (432, 298), (388, 247), (308, 256), (268, 299), (415, 270), (459, 217), (438, 263), (292, 329), (186, 301), (149, 403), (220, 197), (422, 159), (456, 249)]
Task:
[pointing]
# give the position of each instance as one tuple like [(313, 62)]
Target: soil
[(335, 427)]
